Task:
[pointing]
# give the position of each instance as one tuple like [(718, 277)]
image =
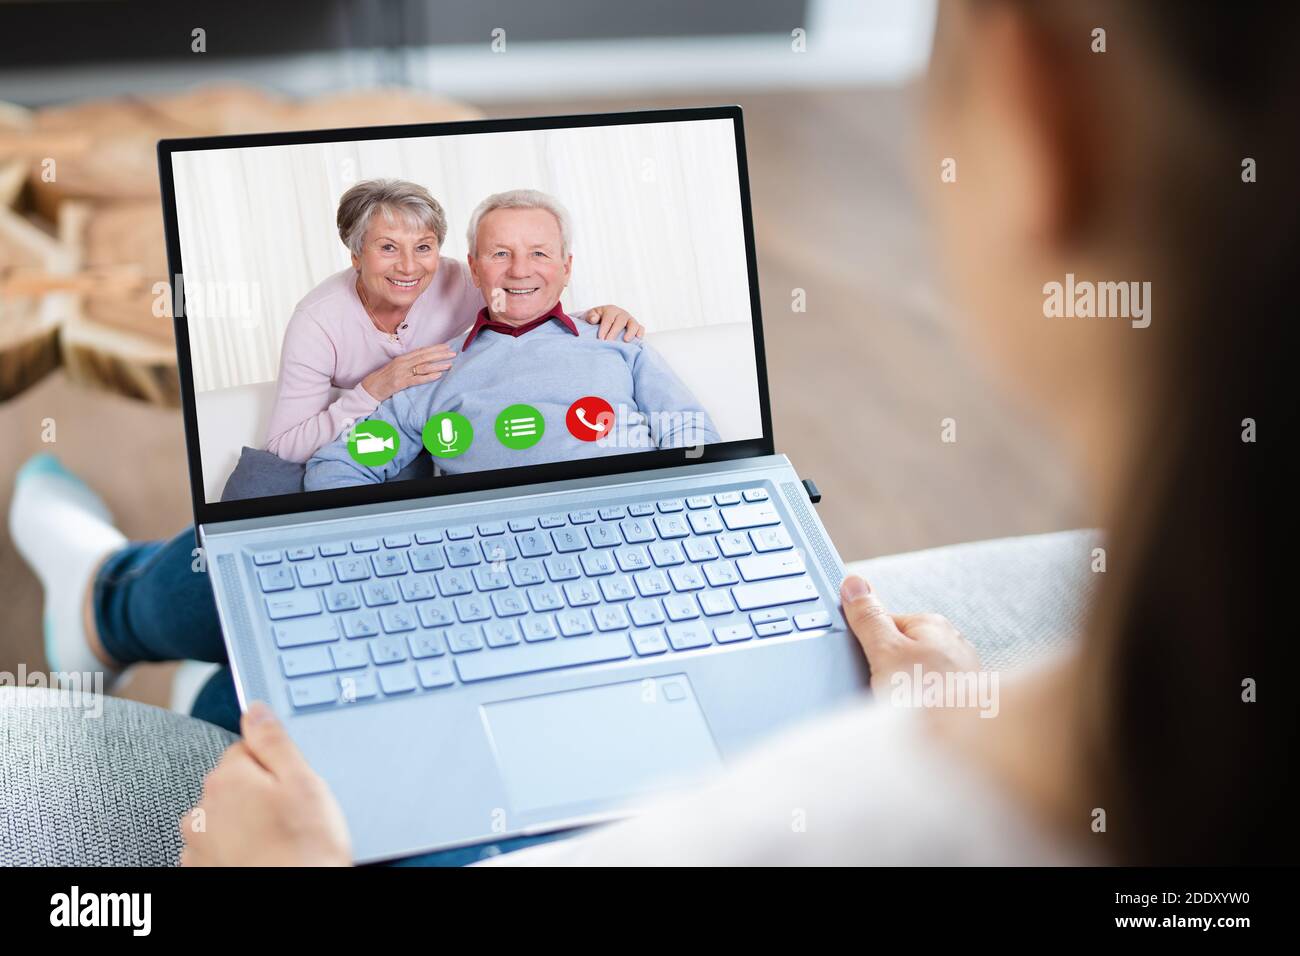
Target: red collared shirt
[(483, 322)]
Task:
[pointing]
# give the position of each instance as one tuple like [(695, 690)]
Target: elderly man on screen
[(524, 349)]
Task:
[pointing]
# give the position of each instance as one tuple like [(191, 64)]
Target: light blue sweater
[(548, 368)]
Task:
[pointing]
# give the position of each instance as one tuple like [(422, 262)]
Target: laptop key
[(651, 583), (473, 608), (351, 569), (276, 579), (460, 533), (358, 686), (280, 607), (424, 644), (734, 545), (267, 557), (313, 575), (489, 528), (435, 614), (713, 603), (698, 501), (561, 567), (538, 629), (764, 566), (671, 504), (530, 658), (574, 623), (553, 520), (313, 692), (700, 549), (300, 554), (360, 624), (812, 619), (342, 598), (740, 517), (637, 530), (388, 650), (645, 613), (596, 563), (397, 620), (568, 540), (632, 559), (681, 607), (610, 618), (730, 633), (672, 526), (686, 578), (462, 554), (498, 550), (772, 628), (705, 522), (509, 604), (453, 583), (685, 637), (428, 537), (604, 535), (397, 541), (755, 494), (485, 579), (462, 640), (362, 545), (389, 564), (727, 497), (649, 641), (720, 574), (427, 558), (434, 674), (534, 544), (524, 573), (378, 593), (397, 680), (333, 550), (612, 512), (770, 539), (349, 656), (749, 597), (417, 588), (500, 633), (640, 510), (666, 553), (545, 598), (585, 516), (618, 588), (302, 633), (522, 524)]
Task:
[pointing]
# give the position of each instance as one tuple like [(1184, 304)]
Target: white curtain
[(656, 210)]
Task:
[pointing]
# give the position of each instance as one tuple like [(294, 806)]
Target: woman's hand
[(413, 368), (263, 806), (614, 320), (898, 642)]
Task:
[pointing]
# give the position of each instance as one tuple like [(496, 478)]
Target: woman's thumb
[(870, 622), (269, 742)]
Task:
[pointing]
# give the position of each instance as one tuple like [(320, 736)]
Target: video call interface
[(445, 305)]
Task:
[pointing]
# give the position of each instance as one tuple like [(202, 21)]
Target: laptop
[(579, 608)]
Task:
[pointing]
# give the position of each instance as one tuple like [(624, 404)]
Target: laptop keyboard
[(379, 617)]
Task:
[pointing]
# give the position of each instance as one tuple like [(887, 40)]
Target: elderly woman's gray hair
[(405, 202), (522, 199)]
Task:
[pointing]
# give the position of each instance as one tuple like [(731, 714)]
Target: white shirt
[(865, 786)]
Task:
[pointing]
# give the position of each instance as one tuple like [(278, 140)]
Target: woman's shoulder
[(329, 295)]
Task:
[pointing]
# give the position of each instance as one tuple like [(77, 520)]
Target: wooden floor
[(860, 381)]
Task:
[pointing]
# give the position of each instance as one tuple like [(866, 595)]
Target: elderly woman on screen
[(383, 324)]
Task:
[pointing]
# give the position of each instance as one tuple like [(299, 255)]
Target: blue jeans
[(151, 604)]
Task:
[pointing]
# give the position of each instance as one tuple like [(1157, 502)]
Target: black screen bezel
[(206, 512)]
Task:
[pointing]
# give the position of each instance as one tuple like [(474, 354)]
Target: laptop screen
[(375, 314)]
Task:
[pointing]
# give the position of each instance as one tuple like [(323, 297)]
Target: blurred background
[(861, 380)]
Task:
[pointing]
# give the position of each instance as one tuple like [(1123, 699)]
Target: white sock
[(190, 678), (64, 531)]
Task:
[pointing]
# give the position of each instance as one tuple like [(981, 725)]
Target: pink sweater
[(330, 341)]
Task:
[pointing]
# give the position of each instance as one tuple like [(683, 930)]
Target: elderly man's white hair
[(522, 199)]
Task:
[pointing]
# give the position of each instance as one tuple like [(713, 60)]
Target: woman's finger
[(871, 623), (270, 743)]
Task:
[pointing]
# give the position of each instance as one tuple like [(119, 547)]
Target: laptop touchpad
[(614, 741)]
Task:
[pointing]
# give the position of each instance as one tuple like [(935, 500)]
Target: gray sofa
[(110, 791)]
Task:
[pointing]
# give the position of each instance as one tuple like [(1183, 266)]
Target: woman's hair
[(1188, 702), (522, 199), (398, 199)]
